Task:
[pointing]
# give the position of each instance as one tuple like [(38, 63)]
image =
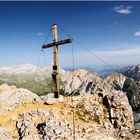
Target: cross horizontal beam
[(61, 42)]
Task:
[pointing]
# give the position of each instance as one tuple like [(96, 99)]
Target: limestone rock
[(131, 88), (80, 81), (128, 85), (48, 124), (4, 135), (111, 111), (12, 97), (132, 91), (116, 80), (121, 114), (131, 71), (39, 124), (50, 99), (54, 129), (5, 88), (26, 128)]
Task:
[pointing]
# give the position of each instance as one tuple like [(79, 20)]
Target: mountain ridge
[(105, 102)]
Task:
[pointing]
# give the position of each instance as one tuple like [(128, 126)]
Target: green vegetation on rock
[(40, 86)]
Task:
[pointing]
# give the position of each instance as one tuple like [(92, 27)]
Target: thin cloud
[(137, 33), (126, 10), (114, 57), (117, 53), (40, 34)]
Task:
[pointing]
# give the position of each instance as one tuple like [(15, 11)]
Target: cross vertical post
[(55, 45), (55, 74)]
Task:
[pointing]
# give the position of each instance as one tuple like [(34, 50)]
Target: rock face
[(132, 91), (131, 71), (80, 81), (11, 97), (128, 85), (116, 80), (131, 88), (133, 85)]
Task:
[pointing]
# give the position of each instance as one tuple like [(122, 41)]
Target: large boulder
[(11, 97), (50, 99)]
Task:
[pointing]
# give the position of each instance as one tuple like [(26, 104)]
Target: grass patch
[(86, 115)]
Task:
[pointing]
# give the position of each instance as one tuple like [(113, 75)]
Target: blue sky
[(111, 30)]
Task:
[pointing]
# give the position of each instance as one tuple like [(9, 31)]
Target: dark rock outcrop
[(132, 90)]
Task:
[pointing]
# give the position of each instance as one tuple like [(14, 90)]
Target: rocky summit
[(86, 116), (91, 108)]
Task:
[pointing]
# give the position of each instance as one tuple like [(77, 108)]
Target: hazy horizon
[(93, 67)]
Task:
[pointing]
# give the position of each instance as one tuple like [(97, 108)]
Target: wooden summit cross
[(55, 44)]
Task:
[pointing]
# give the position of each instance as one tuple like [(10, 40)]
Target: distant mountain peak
[(132, 71)]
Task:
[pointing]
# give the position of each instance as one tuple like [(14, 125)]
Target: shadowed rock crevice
[(40, 127), (132, 92)]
